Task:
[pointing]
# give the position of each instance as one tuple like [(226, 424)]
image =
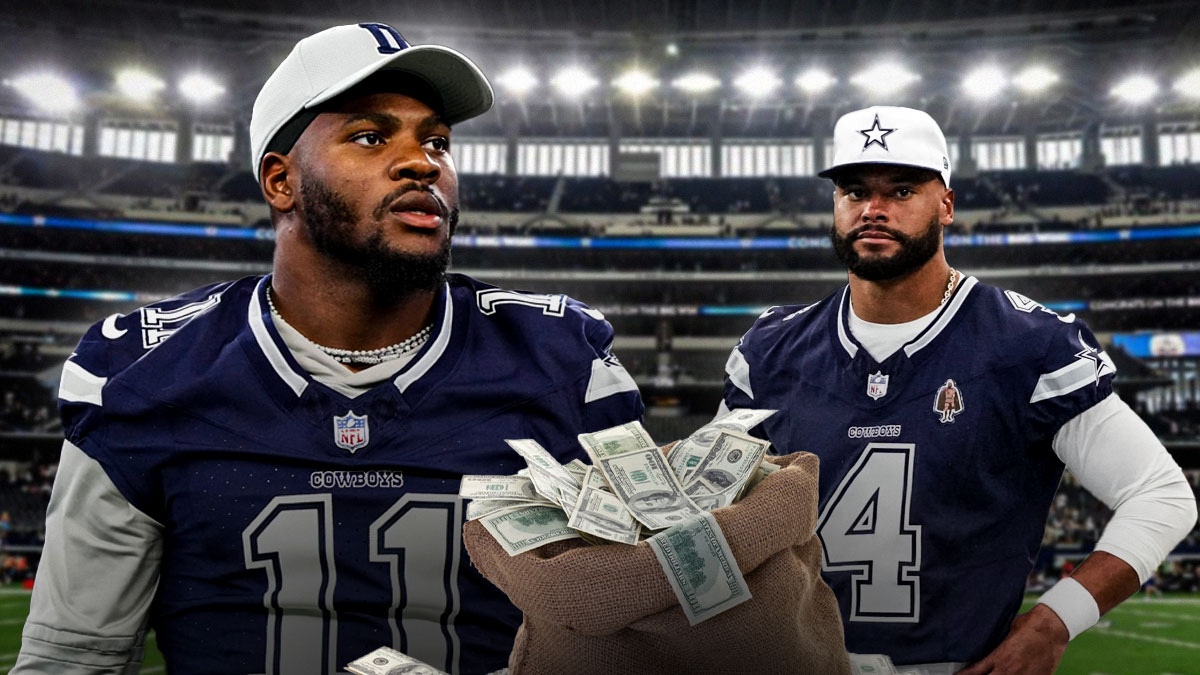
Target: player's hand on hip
[(1034, 646)]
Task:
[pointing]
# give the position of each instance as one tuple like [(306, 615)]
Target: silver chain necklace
[(949, 285), (368, 357)]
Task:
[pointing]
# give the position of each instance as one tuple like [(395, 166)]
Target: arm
[(1119, 460), (96, 580)]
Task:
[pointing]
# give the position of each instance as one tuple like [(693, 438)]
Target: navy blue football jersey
[(937, 469), (304, 529)]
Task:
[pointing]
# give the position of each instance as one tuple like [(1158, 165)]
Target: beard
[(389, 273), (915, 251)]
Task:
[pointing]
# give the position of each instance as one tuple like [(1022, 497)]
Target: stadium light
[(1135, 89), (1188, 84), (47, 91), (636, 82), (758, 82), (884, 79), (574, 82), (696, 83), (815, 81), (200, 88), (138, 85), (984, 83), (518, 80), (1035, 79)]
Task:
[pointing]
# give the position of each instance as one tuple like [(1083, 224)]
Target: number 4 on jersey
[(865, 531)]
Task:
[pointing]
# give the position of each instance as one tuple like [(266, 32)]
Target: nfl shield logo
[(350, 431), (877, 385)]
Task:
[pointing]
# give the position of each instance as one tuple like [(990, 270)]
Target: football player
[(265, 471), (944, 411)]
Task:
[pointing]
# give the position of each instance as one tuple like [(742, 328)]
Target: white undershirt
[(328, 371), (881, 340)]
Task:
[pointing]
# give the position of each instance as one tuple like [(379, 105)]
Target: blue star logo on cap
[(876, 135)]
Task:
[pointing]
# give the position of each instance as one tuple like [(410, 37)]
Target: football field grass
[(1159, 636), (1156, 636)]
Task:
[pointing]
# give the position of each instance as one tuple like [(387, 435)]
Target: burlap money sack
[(609, 609)]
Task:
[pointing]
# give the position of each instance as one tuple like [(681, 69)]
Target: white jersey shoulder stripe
[(80, 386), (608, 377), (1073, 376), (738, 370)]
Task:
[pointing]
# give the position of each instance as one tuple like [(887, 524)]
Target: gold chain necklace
[(949, 285)]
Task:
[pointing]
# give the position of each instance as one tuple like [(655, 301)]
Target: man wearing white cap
[(944, 411), (265, 471)]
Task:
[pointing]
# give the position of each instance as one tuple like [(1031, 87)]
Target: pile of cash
[(633, 491)]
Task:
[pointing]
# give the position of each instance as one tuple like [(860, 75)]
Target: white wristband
[(1073, 604)]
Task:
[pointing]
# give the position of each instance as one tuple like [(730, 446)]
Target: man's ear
[(947, 215), (277, 187)]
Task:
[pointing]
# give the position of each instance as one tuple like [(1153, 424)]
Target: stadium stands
[(679, 289)]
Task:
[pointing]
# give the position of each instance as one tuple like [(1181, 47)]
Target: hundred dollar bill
[(478, 508), (700, 568), (740, 419), (594, 478), (871, 664), (499, 487), (705, 495), (616, 441), (577, 467), (388, 661), (527, 528), (719, 477), (765, 469), (550, 478), (644, 482), (688, 453), (601, 514), (685, 455)]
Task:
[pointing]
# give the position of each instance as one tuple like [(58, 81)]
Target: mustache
[(857, 232), (385, 204)]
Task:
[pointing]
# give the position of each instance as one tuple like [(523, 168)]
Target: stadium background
[(680, 214)]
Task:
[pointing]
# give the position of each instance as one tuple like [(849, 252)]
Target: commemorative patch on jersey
[(350, 431), (877, 385), (948, 402)]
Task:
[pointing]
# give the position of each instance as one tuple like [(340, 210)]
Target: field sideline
[(1156, 636)]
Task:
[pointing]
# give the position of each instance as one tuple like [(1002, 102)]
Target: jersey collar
[(945, 315), (280, 358)]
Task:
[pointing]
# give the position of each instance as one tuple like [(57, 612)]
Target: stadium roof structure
[(1090, 43)]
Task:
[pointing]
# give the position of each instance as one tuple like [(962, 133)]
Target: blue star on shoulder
[(1093, 354)]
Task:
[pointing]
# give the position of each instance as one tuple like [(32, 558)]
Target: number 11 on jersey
[(865, 531)]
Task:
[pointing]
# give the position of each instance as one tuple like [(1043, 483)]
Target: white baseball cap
[(889, 135), (329, 63)]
